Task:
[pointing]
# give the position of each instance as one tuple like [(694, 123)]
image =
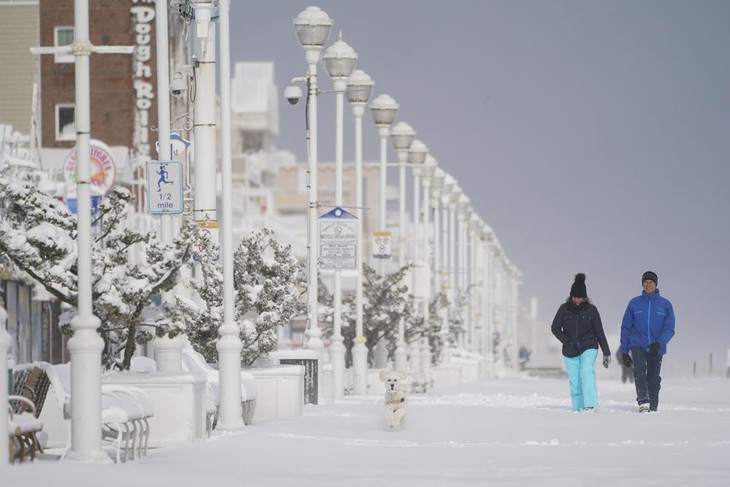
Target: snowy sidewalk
[(496, 432)]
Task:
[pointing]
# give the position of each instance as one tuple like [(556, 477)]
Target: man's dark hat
[(650, 276)]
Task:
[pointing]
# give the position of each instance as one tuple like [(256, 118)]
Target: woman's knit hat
[(578, 289)]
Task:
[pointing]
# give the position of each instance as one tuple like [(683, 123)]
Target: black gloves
[(627, 360), (654, 349), (606, 361)]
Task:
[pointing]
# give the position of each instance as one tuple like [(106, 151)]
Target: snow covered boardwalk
[(499, 432)]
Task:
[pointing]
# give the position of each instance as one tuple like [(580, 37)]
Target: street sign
[(381, 245), (164, 188), (178, 148), (338, 240)]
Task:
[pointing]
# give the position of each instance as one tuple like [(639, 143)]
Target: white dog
[(395, 400)]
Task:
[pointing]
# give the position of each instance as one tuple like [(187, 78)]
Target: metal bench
[(22, 429)]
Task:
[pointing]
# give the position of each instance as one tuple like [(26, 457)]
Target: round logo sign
[(102, 167)]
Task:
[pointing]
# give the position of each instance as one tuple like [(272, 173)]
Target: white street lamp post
[(453, 230), (488, 236), (446, 191), (359, 88), (312, 28), (86, 345), (437, 186), (204, 206), (463, 210), (402, 135), (476, 292), (229, 344), (428, 170), (5, 340), (383, 109), (416, 156), (168, 351), (339, 61)]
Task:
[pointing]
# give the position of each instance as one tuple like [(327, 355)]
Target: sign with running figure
[(164, 188)]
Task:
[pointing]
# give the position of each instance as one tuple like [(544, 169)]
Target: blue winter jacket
[(649, 318)]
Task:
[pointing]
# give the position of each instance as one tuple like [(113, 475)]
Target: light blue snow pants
[(582, 378)]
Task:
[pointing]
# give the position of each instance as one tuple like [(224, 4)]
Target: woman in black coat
[(578, 326)]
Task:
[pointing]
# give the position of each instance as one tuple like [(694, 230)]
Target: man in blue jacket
[(647, 327)]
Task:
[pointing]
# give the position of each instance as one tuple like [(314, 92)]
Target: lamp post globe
[(384, 108), (359, 89), (339, 61), (401, 135), (417, 153), (313, 26)]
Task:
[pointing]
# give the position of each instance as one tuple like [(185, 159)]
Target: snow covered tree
[(385, 301), (38, 234), (268, 282), (457, 311)]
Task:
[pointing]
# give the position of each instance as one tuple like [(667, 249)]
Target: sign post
[(164, 188)]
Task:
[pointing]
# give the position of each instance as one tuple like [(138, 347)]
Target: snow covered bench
[(125, 414), (22, 429), (27, 396)]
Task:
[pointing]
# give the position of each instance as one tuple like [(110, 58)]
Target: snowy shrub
[(268, 282), (129, 268), (385, 301)]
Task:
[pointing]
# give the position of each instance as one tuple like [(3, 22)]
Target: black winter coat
[(579, 328)]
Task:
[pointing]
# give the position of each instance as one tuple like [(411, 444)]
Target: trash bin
[(310, 361), (311, 382)]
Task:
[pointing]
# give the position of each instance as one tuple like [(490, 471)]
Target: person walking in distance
[(578, 326), (647, 327)]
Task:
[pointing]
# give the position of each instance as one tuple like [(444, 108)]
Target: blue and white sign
[(164, 188), (338, 240), (178, 147)]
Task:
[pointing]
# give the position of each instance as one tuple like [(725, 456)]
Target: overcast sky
[(592, 136)]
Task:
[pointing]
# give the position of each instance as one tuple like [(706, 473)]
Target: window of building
[(63, 36), (65, 121)]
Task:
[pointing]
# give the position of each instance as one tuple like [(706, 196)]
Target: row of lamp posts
[(463, 234)]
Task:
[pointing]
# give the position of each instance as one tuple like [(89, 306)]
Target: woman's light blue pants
[(582, 378)]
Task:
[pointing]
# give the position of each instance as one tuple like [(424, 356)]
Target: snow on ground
[(511, 432)]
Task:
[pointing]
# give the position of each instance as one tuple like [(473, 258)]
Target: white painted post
[(168, 352), (4, 347), (86, 344), (229, 344), (339, 60), (359, 88)]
